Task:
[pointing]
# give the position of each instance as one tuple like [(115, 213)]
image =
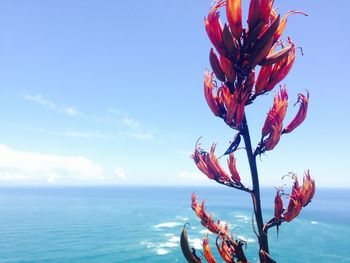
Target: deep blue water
[(143, 224)]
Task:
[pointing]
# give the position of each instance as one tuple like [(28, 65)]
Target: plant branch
[(263, 241)]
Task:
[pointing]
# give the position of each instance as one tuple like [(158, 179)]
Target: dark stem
[(256, 189)]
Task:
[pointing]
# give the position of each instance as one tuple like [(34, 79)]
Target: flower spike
[(246, 63)]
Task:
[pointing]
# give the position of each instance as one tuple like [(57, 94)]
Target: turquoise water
[(142, 224)]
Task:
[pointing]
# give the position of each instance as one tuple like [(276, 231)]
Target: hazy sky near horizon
[(110, 92)]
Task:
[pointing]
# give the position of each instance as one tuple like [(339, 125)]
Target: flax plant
[(247, 63)]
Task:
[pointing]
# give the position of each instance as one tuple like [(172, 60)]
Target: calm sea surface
[(143, 224)]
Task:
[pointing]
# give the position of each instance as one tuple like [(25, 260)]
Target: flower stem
[(263, 241)]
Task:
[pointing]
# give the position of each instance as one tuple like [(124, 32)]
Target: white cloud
[(142, 136), (192, 176), (130, 122), (114, 111), (20, 166), (70, 111), (52, 106), (119, 173)]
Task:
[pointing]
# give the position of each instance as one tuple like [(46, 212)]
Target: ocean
[(143, 224)]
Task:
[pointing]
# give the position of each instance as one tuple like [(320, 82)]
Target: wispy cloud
[(52, 106), (142, 136), (130, 126), (88, 135), (136, 130), (130, 122)]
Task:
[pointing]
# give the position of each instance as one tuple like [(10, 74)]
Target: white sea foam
[(242, 218), (167, 225), (182, 218), (148, 244), (174, 239), (224, 223), (168, 244), (314, 222), (204, 232), (162, 251), (196, 243)]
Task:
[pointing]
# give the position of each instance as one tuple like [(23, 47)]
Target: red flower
[(308, 189), (214, 28), (234, 104), (259, 11), (301, 115), (207, 252), (278, 205), (231, 163), (274, 120), (295, 205), (206, 220), (226, 252), (234, 17), (209, 164), (214, 101)]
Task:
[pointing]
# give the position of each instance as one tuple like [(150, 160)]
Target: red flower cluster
[(273, 127), (298, 199), (209, 164), (239, 50), (229, 249), (207, 220)]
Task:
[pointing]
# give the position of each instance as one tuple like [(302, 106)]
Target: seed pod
[(229, 43), (263, 45), (254, 33), (276, 57), (228, 69), (186, 249), (216, 66)]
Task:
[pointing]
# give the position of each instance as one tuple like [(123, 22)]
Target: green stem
[(263, 241)]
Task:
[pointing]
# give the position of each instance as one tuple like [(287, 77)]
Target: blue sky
[(110, 92)]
